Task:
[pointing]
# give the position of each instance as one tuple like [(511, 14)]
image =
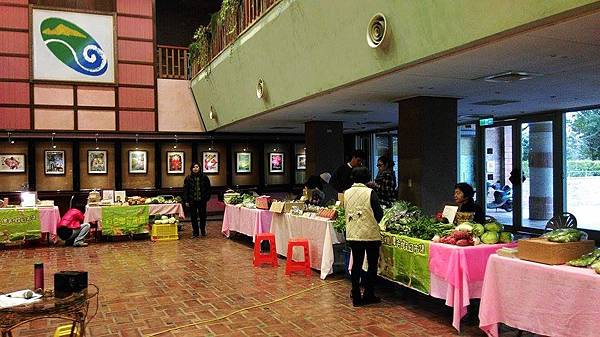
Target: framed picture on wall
[(210, 162), (276, 162), (138, 161), (54, 162), (175, 162), (243, 162), (97, 162), (12, 163), (300, 162)]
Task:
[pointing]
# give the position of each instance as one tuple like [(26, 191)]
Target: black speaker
[(68, 282)]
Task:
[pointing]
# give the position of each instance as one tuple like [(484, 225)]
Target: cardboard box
[(543, 251), (291, 204), (277, 207)]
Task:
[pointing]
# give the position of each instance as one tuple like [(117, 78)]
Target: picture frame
[(97, 161), (175, 162), (120, 196), (138, 161), (210, 162), (12, 162), (300, 162), (54, 162), (276, 162), (243, 162), (108, 195)]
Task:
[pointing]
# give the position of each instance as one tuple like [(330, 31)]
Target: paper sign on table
[(450, 212)]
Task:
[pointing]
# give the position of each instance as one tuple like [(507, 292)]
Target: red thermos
[(38, 276)]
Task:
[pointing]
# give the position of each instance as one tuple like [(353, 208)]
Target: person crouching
[(71, 230)]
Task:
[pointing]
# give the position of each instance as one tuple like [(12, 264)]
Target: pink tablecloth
[(246, 221), (49, 219), (546, 300), (94, 213), (457, 274)]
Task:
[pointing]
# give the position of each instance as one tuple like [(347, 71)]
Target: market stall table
[(94, 213), (247, 221), (543, 299), (318, 231), (49, 217)]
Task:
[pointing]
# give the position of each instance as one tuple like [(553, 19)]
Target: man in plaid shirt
[(385, 182)]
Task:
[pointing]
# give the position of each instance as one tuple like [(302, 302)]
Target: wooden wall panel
[(136, 121), (175, 180), (136, 74), (14, 17), (219, 179), (96, 120), (96, 181), (14, 93), (252, 178), (46, 182), (14, 67), (14, 42), (136, 97), (95, 96), (15, 118), (54, 119), (13, 181), (138, 180), (16, 2), (135, 7), (138, 51), (138, 28), (45, 94)]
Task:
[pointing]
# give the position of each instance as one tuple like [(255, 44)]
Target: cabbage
[(164, 217), (490, 238), (478, 229), (493, 227), (506, 237)]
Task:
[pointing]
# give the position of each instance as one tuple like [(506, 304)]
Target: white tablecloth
[(320, 235), (94, 213)]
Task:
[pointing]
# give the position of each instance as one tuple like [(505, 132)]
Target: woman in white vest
[(363, 213)]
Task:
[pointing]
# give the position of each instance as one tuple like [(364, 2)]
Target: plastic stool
[(270, 257), (65, 330), (292, 265)]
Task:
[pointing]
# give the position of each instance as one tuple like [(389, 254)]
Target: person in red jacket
[(71, 229)]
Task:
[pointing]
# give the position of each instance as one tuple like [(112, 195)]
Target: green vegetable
[(506, 237), (340, 221), (565, 235), (478, 229), (493, 227), (490, 238), (464, 227), (596, 267), (586, 260)]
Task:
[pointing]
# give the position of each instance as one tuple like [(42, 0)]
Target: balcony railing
[(173, 62)]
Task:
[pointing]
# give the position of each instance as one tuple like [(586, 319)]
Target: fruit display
[(565, 235), (472, 234)]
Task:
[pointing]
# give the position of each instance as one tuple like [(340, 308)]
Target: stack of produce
[(247, 200), (470, 234), (136, 200), (591, 260), (163, 200), (164, 220), (564, 235), (406, 219)]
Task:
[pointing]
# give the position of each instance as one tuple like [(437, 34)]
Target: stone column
[(540, 171), (324, 147), (427, 151)]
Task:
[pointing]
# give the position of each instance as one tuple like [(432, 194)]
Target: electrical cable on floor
[(243, 309)]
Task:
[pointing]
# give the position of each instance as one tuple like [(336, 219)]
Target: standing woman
[(363, 213), (196, 193)]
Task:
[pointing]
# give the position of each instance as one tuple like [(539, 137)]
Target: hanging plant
[(228, 15), (199, 48)]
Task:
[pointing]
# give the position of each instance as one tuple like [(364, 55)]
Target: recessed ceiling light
[(509, 76), (495, 102)]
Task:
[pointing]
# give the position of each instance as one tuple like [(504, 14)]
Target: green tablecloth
[(121, 220), (19, 224), (405, 260)]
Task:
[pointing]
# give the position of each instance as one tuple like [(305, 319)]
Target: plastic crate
[(164, 232)]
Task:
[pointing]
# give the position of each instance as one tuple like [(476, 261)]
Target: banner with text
[(122, 220), (19, 225), (405, 260)]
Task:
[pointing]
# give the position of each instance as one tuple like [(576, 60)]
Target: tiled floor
[(148, 287)]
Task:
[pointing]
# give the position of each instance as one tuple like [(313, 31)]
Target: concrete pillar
[(427, 151), (540, 171), (324, 147)]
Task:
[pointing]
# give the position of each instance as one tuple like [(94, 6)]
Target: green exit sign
[(486, 121)]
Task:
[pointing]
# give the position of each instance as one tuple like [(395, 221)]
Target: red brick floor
[(147, 287)]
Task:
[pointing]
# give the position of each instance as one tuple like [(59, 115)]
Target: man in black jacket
[(196, 193), (340, 180)]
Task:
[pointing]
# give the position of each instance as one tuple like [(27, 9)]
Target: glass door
[(498, 154)]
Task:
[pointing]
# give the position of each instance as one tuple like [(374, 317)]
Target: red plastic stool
[(270, 257), (292, 265)]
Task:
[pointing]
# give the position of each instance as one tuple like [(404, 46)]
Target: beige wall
[(97, 180), (48, 182), (14, 181), (138, 180), (245, 178), (219, 179), (175, 180), (176, 107)]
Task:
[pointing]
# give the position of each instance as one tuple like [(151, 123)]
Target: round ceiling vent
[(376, 30), (260, 89)]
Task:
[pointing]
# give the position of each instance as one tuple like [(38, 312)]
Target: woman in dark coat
[(196, 193)]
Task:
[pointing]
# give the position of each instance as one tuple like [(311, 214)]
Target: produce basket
[(164, 232), (543, 251)]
